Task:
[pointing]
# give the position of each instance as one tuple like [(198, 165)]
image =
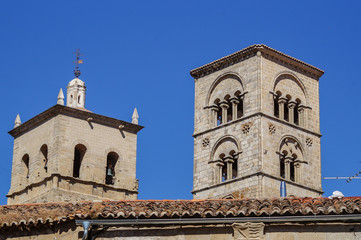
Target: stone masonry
[(256, 123), (68, 154)]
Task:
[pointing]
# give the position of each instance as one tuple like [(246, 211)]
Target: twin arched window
[(225, 157), (291, 158), (228, 109), (288, 109)]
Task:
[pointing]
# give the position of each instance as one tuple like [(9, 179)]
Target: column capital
[(224, 105), (282, 100), (214, 108), (291, 104), (234, 100)]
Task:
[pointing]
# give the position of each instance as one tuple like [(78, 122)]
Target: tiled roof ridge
[(50, 213), (236, 56)]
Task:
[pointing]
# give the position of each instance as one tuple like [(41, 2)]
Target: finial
[(135, 116), (17, 121), (77, 62), (60, 97)]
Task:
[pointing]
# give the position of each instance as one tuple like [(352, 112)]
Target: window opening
[(282, 168), (26, 163), (219, 116), (240, 109), (79, 153), (276, 107), (292, 171), (224, 172), (234, 169), (112, 159), (230, 113), (44, 151)]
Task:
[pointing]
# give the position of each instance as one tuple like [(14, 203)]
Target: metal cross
[(77, 62)]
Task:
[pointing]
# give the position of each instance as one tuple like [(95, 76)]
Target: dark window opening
[(240, 109), (219, 116), (230, 113), (79, 153), (282, 168), (295, 115), (234, 169), (26, 159), (224, 173), (276, 108), (44, 151), (112, 159), (286, 112), (292, 171)]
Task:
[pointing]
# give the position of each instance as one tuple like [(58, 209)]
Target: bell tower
[(256, 123), (68, 153)]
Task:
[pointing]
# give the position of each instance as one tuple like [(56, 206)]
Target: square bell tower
[(256, 123)]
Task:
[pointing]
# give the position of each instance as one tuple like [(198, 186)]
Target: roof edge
[(74, 112), (249, 52)]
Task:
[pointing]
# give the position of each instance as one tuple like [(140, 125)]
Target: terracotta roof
[(33, 215), (248, 52)]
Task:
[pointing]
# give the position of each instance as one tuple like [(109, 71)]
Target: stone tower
[(68, 153), (256, 124)]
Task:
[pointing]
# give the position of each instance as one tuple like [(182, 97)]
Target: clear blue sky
[(139, 54)]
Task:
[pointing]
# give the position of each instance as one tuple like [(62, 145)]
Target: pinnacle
[(17, 121), (60, 97), (135, 116)]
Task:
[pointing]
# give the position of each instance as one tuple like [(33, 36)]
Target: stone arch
[(223, 139), (293, 80), (291, 156), (233, 77), (225, 158), (79, 173), (120, 159), (44, 156)]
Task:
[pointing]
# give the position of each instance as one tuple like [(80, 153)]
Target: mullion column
[(291, 108), (224, 107), (214, 113), (281, 107), (235, 103)]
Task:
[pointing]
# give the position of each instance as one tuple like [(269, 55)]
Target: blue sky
[(139, 54)]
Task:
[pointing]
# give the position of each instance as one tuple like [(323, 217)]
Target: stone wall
[(61, 134), (258, 132)]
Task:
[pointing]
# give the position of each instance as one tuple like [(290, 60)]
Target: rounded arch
[(290, 76), (44, 155), (224, 76), (113, 149), (296, 144), (224, 139)]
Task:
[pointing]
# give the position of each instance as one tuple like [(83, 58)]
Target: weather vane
[(77, 62)]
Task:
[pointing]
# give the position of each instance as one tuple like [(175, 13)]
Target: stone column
[(229, 162), (287, 168), (281, 107), (214, 112), (301, 116), (224, 107), (235, 103), (297, 172), (219, 177), (291, 107)]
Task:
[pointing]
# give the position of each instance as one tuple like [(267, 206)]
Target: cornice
[(257, 114), (73, 112), (250, 52), (72, 179)]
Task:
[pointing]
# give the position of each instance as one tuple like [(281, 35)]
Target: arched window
[(25, 161), (225, 156), (79, 153), (112, 159), (44, 153), (288, 163)]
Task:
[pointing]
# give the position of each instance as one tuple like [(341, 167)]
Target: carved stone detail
[(271, 128), (205, 142), (246, 128), (248, 231), (309, 142)]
